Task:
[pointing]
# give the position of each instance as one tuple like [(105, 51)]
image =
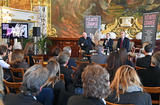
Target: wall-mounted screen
[(14, 30)]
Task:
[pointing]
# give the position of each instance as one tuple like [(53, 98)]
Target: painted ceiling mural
[(68, 15)]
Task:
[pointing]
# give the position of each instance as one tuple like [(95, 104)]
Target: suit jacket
[(144, 61), (136, 98), (150, 76), (81, 100), (20, 99), (86, 44), (99, 59), (109, 44), (125, 43)]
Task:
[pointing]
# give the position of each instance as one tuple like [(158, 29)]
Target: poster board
[(150, 22), (92, 24)]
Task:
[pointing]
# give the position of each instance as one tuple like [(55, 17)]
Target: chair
[(12, 85), (62, 77), (18, 71), (103, 65), (37, 59), (109, 103), (78, 62), (153, 90), (27, 59), (138, 68)]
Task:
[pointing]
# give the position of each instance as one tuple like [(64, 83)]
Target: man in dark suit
[(145, 61), (123, 42), (108, 43), (100, 58), (151, 76), (85, 43)]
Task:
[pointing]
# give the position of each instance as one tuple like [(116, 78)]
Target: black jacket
[(144, 61), (125, 43), (109, 44)]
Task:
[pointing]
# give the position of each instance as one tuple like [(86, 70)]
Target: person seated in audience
[(55, 51), (127, 89), (151, 75), (71, 61), (63, 60), (3, 52), (96, 87), (51, 90), (17, 60), (29, 51), (124, 57), (123, 41), (34, 79), (100, 58), (145, 61), (113, 62), (86, 43), (77, 80), (108, 44)]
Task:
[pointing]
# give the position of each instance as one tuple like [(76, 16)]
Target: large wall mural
[(68, 15)]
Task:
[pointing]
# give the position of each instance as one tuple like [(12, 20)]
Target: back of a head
[(28, 48), (3, 49), (125, 76), (33, 79), (17, 56), (155, 60), (123, 55), (63, 58), (55, 51), (95, 81), (148, 48), (67, 49)]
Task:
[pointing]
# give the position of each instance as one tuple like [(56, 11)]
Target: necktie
[(121, 43)]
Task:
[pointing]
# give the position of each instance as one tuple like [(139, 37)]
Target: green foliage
[(24, 41), (43, 42)]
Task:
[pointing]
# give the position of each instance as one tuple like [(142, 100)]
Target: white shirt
[(3, 64)]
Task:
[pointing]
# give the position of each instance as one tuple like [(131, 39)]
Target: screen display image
[(14, 30)]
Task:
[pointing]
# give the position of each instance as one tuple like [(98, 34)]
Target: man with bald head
[(85, 43)]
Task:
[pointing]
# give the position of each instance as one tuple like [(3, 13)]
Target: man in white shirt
[(3, 52)]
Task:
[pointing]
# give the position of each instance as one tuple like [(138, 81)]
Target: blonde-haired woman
[(127, 88)]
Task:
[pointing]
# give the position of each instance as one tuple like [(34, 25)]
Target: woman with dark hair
[(77, 80), (113, 62), (124, 57), (127, 89), (55, 52)]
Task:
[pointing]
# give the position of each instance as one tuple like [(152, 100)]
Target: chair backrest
[(27, 59), (78, 62), (37, 59), (153, 90), (103, 65), (17, 74), (109, 103), (12, 85), (62, 77)]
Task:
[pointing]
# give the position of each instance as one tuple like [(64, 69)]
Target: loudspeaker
[(36, 31)]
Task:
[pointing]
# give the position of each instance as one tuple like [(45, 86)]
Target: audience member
[(113, 63), (77, 81), (100, 58), (108, 44), (17, 60), (50, 93), (34, 79), (29, 51), (96, 87), (85, 43), (124, 57), (3, 52), (127, 88), (55, 51), (145, 61), (151, 75), (71, 61), (123, 41), (63, 60)]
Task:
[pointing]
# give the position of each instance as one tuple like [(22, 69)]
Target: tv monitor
[(14, 30)]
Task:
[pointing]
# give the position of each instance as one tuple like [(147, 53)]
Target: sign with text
[(92, 24), (150, 22)]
